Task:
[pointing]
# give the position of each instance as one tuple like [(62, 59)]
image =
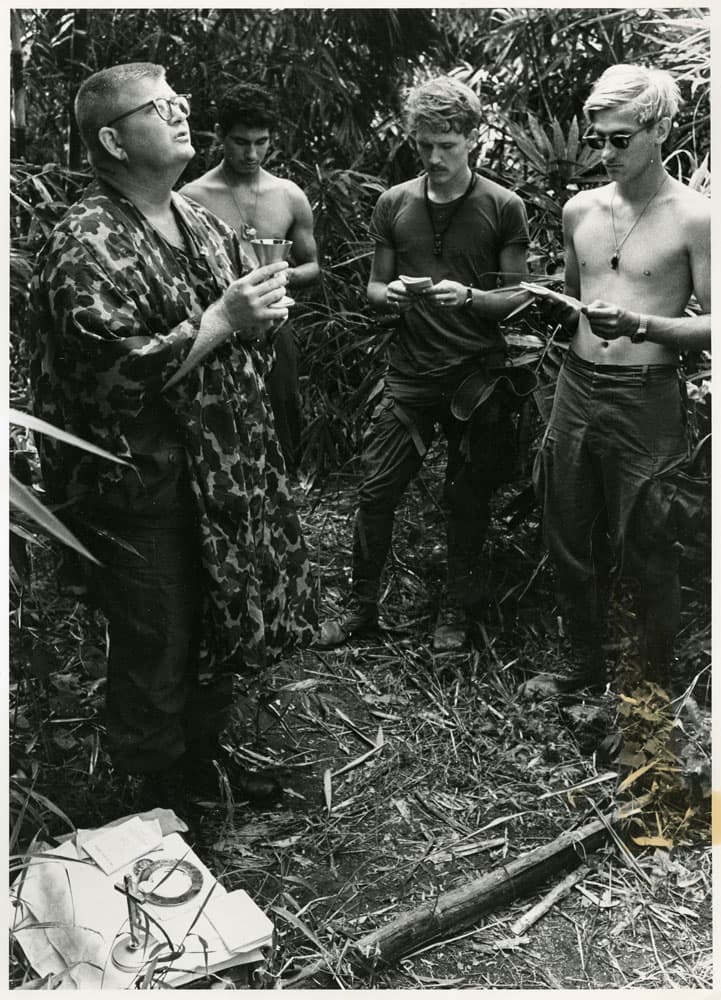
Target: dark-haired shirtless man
[(255, 202)]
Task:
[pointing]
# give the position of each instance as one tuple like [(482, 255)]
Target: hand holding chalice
[(267, 250)]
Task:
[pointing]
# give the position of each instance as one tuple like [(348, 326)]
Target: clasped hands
[(445, 294)]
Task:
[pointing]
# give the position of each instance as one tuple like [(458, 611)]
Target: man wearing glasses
[(203, 565), (637, 250)]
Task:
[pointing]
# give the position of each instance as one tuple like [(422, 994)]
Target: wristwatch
[(469, 297), (639, 335)]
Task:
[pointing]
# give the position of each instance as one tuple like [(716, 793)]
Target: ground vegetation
[(406, 774)]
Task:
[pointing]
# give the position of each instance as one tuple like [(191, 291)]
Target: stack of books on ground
[(131, 905)]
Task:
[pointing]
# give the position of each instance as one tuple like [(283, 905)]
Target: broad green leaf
[(535, 155), (541, 139), (21, 532), (559, 141), (24, 499), (572, 140), (36, 424)]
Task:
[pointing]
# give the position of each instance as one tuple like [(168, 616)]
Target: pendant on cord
[(439, 233), (614, 262)]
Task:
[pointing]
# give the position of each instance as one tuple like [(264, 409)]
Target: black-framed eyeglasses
[(619, 140), (165, 106)]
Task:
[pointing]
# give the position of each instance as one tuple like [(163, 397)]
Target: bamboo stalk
[(460, 907)]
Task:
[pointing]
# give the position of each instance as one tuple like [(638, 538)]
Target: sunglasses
[(619, 140), (165, 106)]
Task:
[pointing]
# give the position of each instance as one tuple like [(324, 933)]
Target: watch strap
[(639, 336)]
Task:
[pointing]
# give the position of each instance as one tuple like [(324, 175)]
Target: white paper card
[(240, 923), (116, 846)]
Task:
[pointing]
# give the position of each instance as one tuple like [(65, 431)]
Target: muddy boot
[(586, 674), (360, 618), (588, 671), (371, 541)]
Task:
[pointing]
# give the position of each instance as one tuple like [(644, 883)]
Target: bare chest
[(269, 212), (633, 262)]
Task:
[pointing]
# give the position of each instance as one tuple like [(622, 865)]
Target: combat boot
[(360, 618)]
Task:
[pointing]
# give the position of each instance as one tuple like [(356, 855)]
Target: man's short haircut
[(651, 94), (443, 104), (99, 98), (247, 104)]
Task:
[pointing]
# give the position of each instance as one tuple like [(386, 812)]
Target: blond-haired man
[(637, 250), (466, 235)]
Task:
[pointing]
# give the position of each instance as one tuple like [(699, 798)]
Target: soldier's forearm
[(303, 274), (683, 333)]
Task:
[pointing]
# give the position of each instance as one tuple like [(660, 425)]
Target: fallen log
[(458, 908)]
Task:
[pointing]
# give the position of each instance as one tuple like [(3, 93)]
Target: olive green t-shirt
[(432, 341)]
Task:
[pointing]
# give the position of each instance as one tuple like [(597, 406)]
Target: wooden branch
[(559, 891), (458, 908)]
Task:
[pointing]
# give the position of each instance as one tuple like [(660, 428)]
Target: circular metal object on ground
[(192, 879)]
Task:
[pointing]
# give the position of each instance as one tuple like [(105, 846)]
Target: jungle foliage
[(341, 75)]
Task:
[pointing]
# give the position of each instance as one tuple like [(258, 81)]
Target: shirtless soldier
[(636, 250), (255, 202)]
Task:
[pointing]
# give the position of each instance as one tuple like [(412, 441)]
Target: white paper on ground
[(87, 913), (239, 921), (115, 847)]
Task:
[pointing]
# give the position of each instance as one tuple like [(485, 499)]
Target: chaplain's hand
[(447, 294), (610, 322), (247, 304)]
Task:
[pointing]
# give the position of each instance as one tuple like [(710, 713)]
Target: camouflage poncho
[(114, 311)]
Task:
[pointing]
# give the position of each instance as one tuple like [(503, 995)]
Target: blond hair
[(443, 104), (651, 94)]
